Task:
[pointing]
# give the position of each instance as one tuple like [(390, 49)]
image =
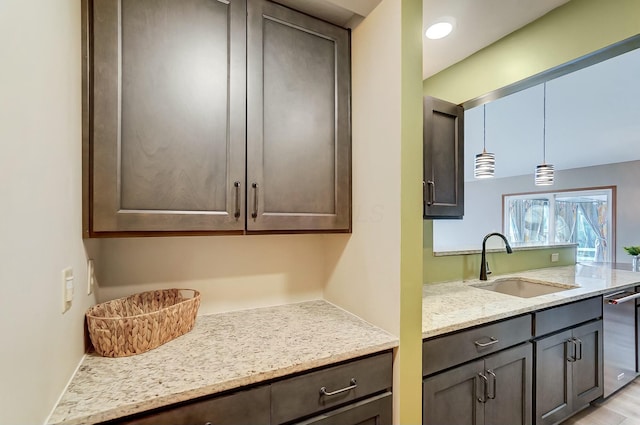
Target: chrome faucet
[(483, 261)]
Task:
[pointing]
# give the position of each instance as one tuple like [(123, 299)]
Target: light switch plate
[(67, 289), (91, 277)]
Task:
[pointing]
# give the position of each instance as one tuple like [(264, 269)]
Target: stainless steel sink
[(522, 287)]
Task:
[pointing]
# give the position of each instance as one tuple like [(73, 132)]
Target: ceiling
[(345, 13), (591, 119), (478, 23)]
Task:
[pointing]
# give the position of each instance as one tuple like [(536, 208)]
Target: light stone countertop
[(223, 351), (521, 247), (451, 306)]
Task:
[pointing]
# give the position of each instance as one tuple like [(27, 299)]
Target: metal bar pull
[(495, 384), (424, 192), (237, 186), (485, 385), (571, 357), (254, 214), (492, 340), (353, 385), (622, 297), (578, 344), (432, 192)]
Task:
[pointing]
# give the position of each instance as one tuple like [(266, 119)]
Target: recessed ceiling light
[(439, 30)]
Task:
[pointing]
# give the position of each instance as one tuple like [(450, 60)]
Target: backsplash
[(463, 267)]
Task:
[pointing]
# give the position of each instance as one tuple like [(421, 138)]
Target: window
[(581, 216)]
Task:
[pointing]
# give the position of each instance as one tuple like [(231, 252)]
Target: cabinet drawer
[(450, 350), (248, 407), (301, 396), (375, 411), (565, 316)]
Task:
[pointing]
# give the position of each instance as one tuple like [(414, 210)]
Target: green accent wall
[(465, 267), (411, 263), (573, 30)]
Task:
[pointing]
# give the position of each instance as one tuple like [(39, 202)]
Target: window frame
[(552, 194)]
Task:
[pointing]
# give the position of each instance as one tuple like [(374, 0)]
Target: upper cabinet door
[(168, 115), (443, 137), (298, 122)]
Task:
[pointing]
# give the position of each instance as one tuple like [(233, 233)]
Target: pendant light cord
[(484, 127), (544, 125)]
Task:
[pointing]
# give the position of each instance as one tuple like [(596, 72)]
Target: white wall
[(231, 272), (365, 266), (483, 205), (40, 213), (40, 216)]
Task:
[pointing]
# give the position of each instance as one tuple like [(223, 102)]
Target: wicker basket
[(141, 322)]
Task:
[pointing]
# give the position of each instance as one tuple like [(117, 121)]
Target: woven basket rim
[(196, 295)]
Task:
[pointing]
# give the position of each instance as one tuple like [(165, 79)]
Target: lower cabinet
[(568, 372), (356, 392), (638, 338), (374, 411), (494, 390), (538, 368), (249, 407)]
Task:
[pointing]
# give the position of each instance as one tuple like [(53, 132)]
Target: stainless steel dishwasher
[(619, 321)]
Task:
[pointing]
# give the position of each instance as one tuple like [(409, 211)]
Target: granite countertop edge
[(218, 388), (93, 398), (468, 314)]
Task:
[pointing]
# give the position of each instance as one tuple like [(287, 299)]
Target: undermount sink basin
[(522, 287)]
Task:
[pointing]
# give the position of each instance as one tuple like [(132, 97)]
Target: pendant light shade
[(485, 162), (485, 165), (544, 175), (544, 171)]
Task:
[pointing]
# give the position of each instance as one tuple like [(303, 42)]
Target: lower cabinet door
[(553, 393), (250, 407), (587, 369), (454, 397), (510, 386), (373, 411)]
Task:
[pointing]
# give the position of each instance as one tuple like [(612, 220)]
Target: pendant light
[(485, 163), (544, 171)]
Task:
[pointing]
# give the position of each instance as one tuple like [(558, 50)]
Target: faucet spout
[(483, 260)]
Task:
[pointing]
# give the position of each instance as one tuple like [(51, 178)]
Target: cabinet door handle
[(237, 186), (254, 214), (485, 385), (432, 192), (578, 344), (492, 340), (424, 192), (571, 357), (495, 384), (353, 385)]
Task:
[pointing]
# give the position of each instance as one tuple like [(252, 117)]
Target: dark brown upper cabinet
[(443, 178), (298, 149), (206, 116)]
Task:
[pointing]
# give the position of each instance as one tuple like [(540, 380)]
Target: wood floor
[(622, 408)]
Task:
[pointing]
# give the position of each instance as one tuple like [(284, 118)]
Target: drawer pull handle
[(493, 340), (353, 385)]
